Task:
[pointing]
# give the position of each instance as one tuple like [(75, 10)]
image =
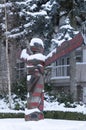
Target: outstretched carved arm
[(65, 48)]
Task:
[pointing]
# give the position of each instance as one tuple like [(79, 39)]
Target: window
[(20, 70), (65, 66), (68, 67)]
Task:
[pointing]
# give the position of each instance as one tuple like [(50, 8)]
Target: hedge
[(50, 114), (65, 115), (11, 115)]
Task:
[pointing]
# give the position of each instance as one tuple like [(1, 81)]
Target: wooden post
[(73, 83), (7, 58)]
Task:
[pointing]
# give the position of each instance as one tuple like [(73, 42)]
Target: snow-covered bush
[(20, 89)]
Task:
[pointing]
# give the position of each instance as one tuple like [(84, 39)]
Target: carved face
[(36, 45)]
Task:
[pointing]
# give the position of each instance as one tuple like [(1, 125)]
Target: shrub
[(20, 89), (67, 99), (48, 88), (50, 115), (64, 115)]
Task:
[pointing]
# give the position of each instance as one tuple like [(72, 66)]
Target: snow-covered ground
[(48, 106), (46, 124)]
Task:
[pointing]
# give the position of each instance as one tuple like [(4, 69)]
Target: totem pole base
[(35, 116)]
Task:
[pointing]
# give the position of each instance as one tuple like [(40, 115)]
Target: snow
[(29, 111), (38, 40), (48, 106), (25, 55), (7, 5), (60, 77), (49, 5), (65, 33), (38, 56), (27, 25), (49, 124), (60, 107), (46, 124), (28, 77), (37, 13), (21, 3), (51, 53), (17, 34)]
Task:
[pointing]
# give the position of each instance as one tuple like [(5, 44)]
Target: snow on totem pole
[(35, 83)]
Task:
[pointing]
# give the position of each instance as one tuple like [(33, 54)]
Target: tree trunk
[(73, 84), (7, 58)]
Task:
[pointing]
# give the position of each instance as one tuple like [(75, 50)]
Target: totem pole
[(35, 69), (35, 84)]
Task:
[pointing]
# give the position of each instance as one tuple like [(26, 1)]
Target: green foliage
[(17, 106), (50, 114), (20, 89), (66, 4), (61, 97), (48, 88), (49, 97), (64, 115), (11, 115), (67, 99)]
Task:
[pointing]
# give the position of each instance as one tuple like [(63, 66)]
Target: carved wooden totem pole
[(35, 84), (35, 70)]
